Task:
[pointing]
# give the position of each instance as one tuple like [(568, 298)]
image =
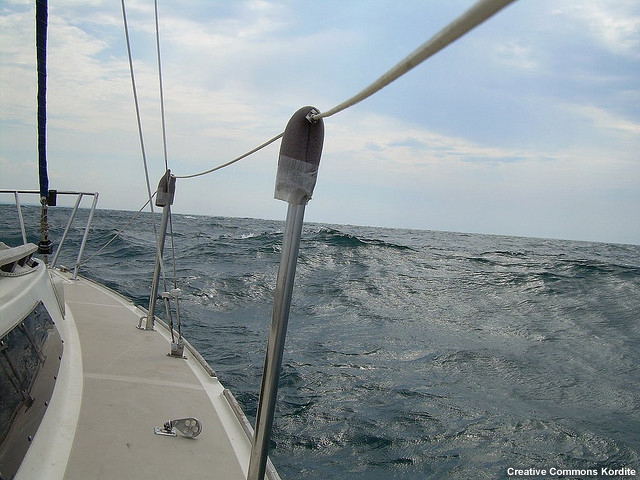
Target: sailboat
[(95, 386)]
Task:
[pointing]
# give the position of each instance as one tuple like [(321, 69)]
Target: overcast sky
[(529, 125)]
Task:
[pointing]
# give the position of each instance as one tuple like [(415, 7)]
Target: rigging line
[(117, 234), (162, 115), (135, 101), (144, 156), (473, 17), (237, 159), (173, 253), (164, 144)]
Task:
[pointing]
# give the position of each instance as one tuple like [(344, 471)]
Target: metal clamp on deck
[(189, 427)]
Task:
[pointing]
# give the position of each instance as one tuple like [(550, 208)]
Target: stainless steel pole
[(164, 198), (86, 235), (150, 320), (66, 230), (300, 153), (22, 229), (277, 335)]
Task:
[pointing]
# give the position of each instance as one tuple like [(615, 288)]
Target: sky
[(528, 126)]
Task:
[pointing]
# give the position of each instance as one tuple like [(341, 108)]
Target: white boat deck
[(130, 386)]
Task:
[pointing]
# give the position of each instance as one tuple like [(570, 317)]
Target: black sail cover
[(41, 54), (299, 158)]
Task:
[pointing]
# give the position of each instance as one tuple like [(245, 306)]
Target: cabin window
[(23, 352)]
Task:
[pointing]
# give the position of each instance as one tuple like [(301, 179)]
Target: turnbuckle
[(177, 347)]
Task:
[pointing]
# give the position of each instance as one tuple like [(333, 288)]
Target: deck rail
[(79, 196)]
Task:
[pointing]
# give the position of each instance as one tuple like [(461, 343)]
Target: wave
[(337, 238), (591, 268), (406, 364)]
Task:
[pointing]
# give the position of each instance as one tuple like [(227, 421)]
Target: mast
[(41, 52), (44, 247)]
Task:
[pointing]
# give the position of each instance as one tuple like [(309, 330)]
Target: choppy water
[(410, 354)]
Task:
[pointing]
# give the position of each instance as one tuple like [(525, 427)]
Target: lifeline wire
[(117, 234), (473, 17), (477, 14)]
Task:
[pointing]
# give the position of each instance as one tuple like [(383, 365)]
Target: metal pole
[(164, 198), (277, 334), (24, 232), (298, 162), (86, 235), (150, 320), (66, 230)]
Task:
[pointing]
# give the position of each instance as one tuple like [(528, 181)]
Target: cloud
[(18, 58), (613, 24), (533, 110), (601, 118), (390, 144), (518, 55), (410, 142)]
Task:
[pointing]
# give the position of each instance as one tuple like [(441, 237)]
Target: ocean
[(410, 354)]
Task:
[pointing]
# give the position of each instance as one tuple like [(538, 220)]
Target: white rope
[(473, 17), (467, 21), (237, 159)]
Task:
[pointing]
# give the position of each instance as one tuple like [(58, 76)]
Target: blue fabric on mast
[(41, 52)]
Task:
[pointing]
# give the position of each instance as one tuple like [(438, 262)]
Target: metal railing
[(79, 196)]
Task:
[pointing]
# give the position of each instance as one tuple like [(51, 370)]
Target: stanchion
[(164, 199), (298, 163)]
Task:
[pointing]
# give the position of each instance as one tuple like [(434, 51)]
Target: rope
[(473, 17), (237, 159), (117, 234)]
